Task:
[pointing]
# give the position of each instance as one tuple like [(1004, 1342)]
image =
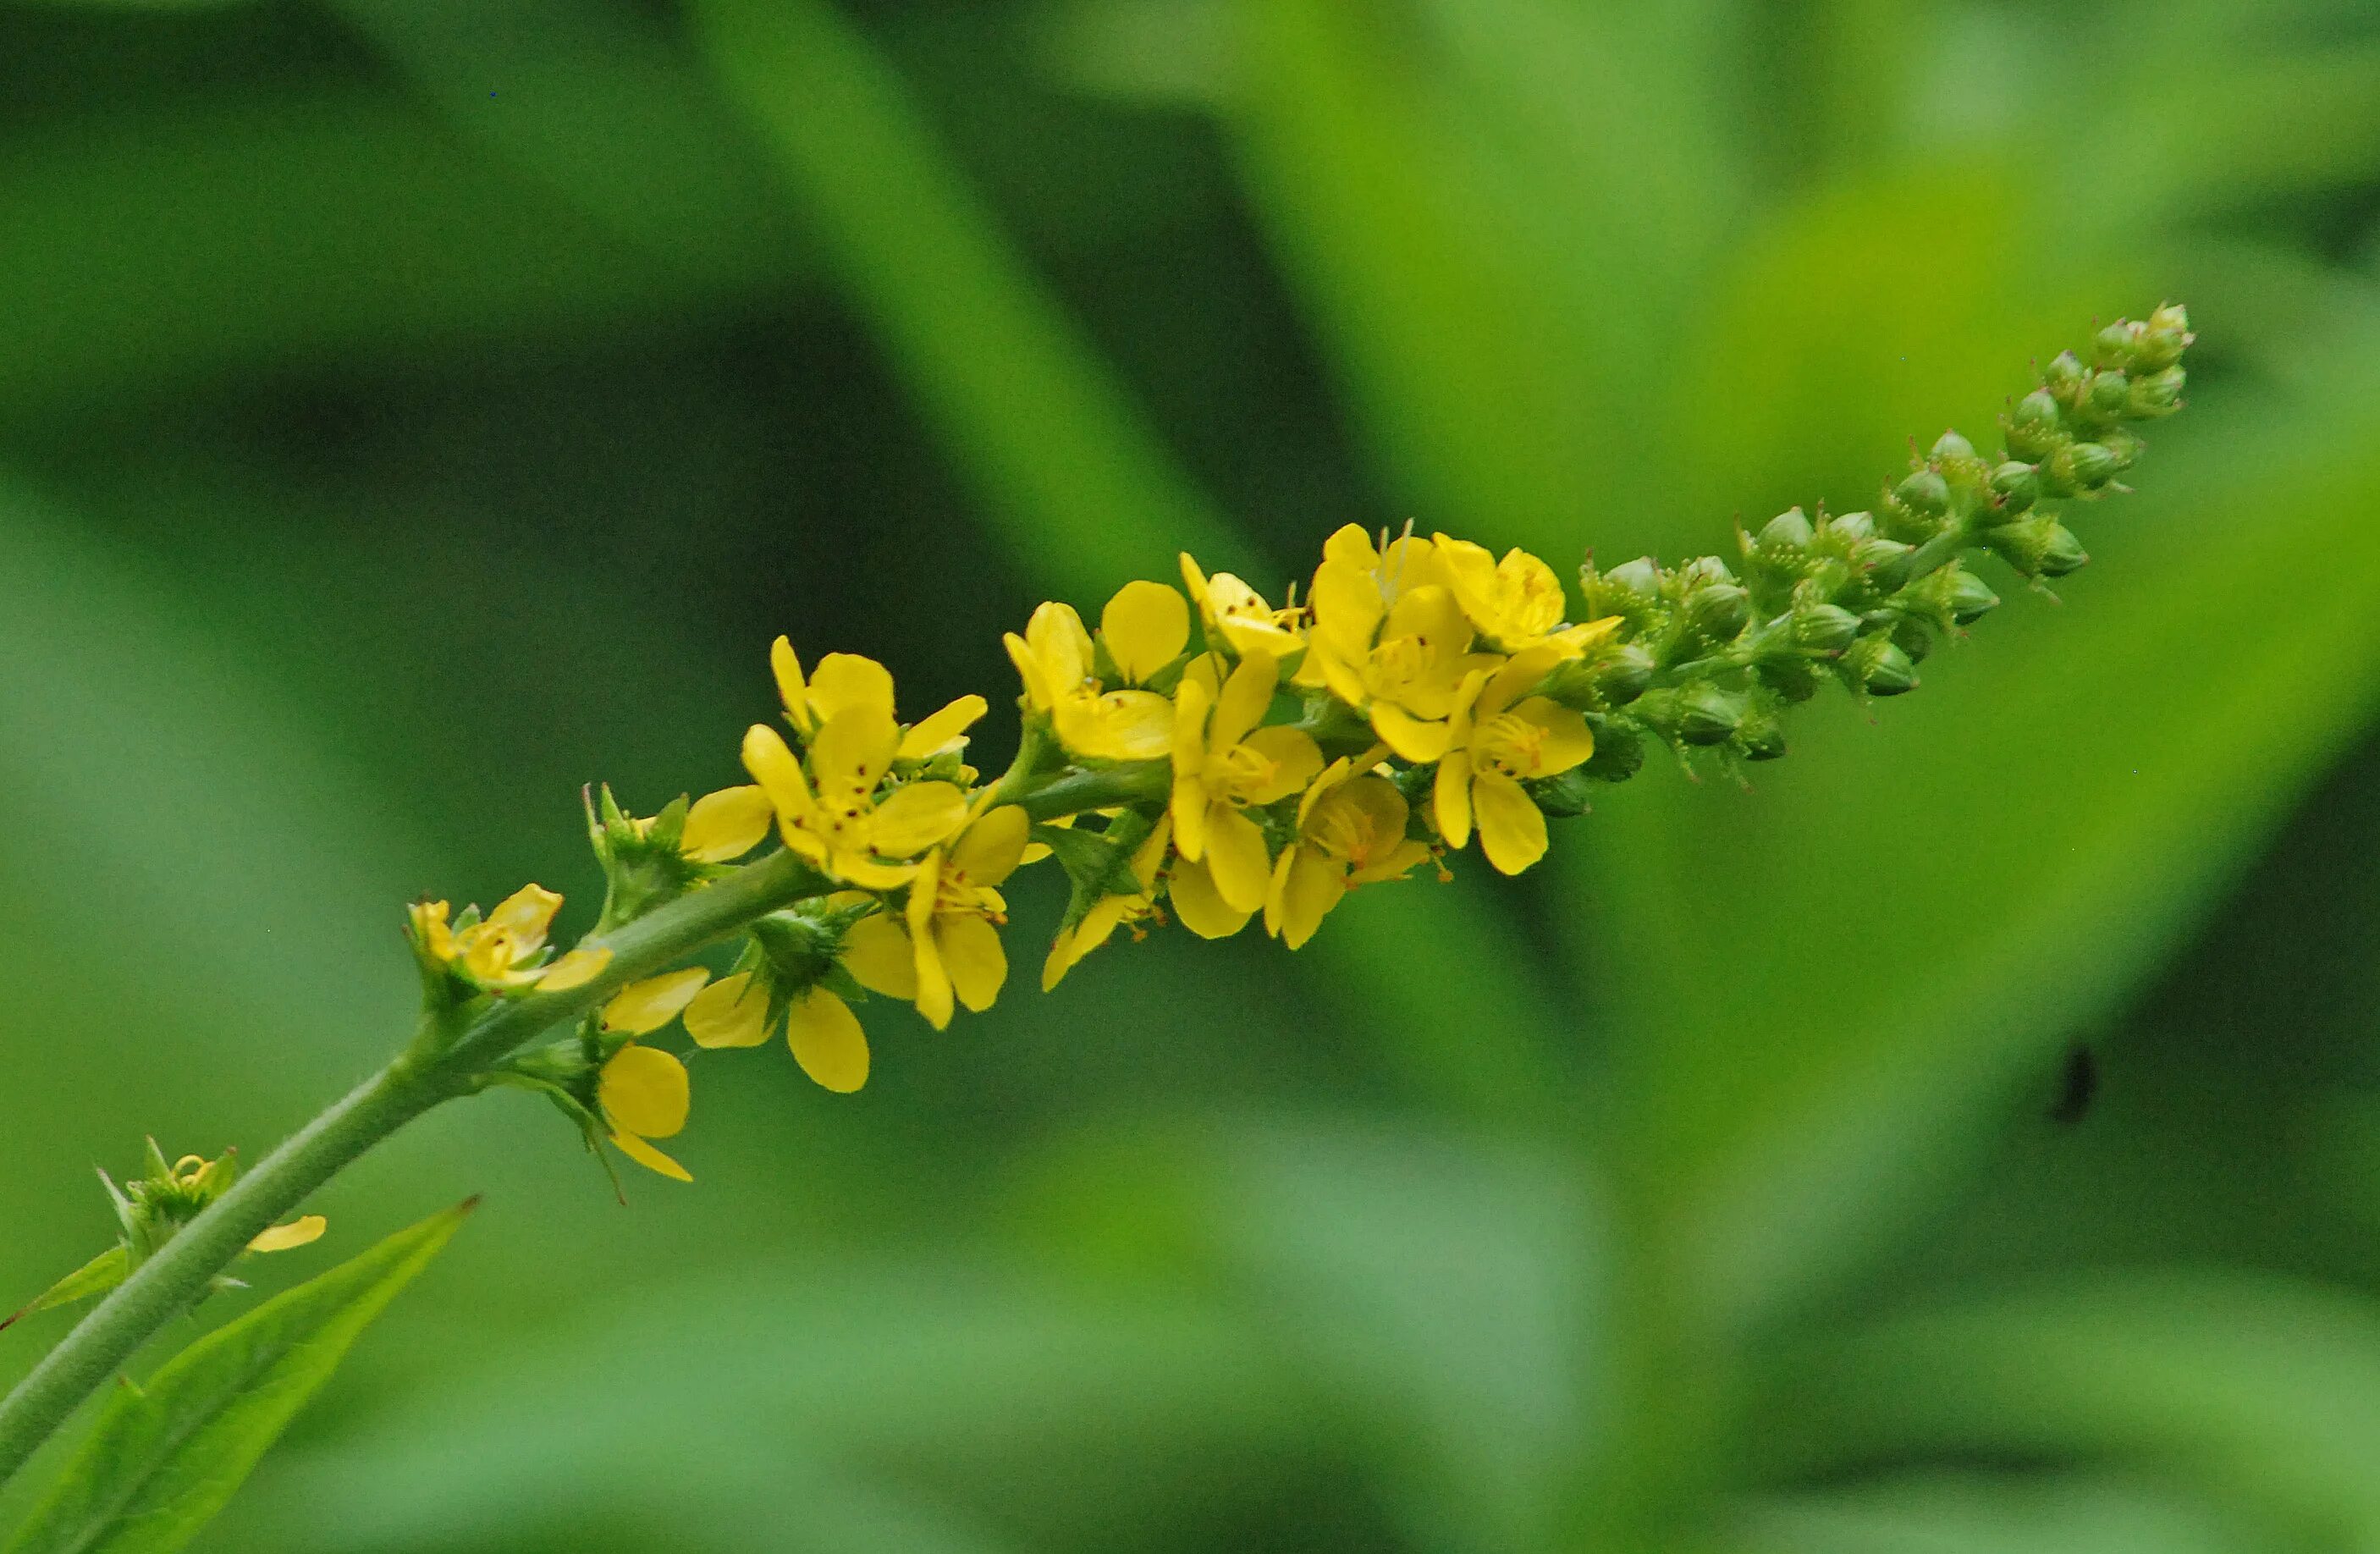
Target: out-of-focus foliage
[(411, 412)]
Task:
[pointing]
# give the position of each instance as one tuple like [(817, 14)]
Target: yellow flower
[(943, 948), (500, 953), (840, 825), (723, 826), (1223, 763), (1239, 615), (643, 1095), (1391, 647), (1351, 831), (1111, 912), (641, 1008), (1500, 739), (1146, 625), (1200, 906), (1516, 603), (846, 681), (825, 1035)]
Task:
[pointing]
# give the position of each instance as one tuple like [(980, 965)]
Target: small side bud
[(1761, 737), (1886, 562), (2163, 338), (1950, 445), (1824, 628), (1876, 665), (2036, 428), (1619, 749), (1720, 611), (1563, 797), (2109, 392), (2158, 393), (1788, 530), (2077, 467), (2039, 547), (1926, 492), (1707, 715), (1641, 577), (2119, 344), (2017, 485), (2065, 377)]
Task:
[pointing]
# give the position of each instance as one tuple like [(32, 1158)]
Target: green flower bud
[(1720, 611), (1850, 529), (1923, 491), (2065, 378), (2077, 467), (2119, 344), (1707, 715), (1886, 562), (1824, 628), (1619, 749), (2158, 393), (2164, 338), (1876, 665), (2038, 546), (1642, 576), (1566, 795), (2036, 428), (1971, 599), (1761, 737), (1788, 530), (2109, 392), (1793, 677), (1950, 445), (2018, 484), (1913, 636)]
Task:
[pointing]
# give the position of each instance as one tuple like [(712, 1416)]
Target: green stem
[(1140, 782), (170, 1283)]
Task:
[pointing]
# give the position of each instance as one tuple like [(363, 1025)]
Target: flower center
[(1513, 745)]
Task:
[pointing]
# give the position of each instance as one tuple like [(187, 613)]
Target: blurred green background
[(412, 411)]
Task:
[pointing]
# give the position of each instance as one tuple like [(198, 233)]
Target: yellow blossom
[(641, 1008), (1500, 739), (1517, 603), (1351, 831), (944, 949), (1239, 615), (1190, 885), (1223, 763), (1145, 626), (1392, 648), (723, 826), (1111, 912), (840, 825), (825, 1035), (846, 681), (643, 1093), (501, 951)]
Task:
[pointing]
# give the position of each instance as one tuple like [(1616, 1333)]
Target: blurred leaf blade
[(161, 1460)]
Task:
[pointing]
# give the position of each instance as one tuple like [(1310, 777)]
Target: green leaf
[(101, 1273), (163, 1460)]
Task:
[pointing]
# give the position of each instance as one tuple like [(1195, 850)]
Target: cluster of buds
[(1206, 751), (150, 1209)]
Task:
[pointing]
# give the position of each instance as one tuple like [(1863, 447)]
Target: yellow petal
[(1511, 827), (1294, 758), (1350, 547), (1568, 739), (643, 1090), (645, 1155), (1409, 736), (1056, 636), (1380, 810), (913, 818), (828, 1041), (1244, 698), (1119, 725), (1314, 886), (1450, 799), (876, 952), (934, 997), (526, 913), (844, 682), (732, 1012), (430, 930), (1145, 627), (1347, 608), (771, 764), (648, 1005), (991, 849), (858, 868), (1190, 700), (576, 969), (972, 956), (726, 824), (296, 1232), (1236, 858), (1200, 907), (852, 751), (946, 730), (1038, 689), (786, 665), (1400, 860)]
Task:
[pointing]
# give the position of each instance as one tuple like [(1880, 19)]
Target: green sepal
[(96, 1277), (1097, 864)]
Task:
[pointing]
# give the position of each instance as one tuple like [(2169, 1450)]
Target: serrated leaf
[(161, 1460)]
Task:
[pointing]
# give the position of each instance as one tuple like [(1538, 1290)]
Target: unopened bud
[(1971, 597), (1788, 530), (2164, 338), (2078, 467), (1824, 628), (1642, 576), (1720, 610), (1886, 562), (1707, 715), (2109, 392), (1876, 665), (1565, 796), (1852, 527), (1761, 737), (2019, 485), (2065, 377), (1923, 491), (1619, 749), (2158, 393), (2119, 344), (2039, 547), (1950, 445), (2035, 428)]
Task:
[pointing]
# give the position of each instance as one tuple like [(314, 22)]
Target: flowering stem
[(170, 1283)]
